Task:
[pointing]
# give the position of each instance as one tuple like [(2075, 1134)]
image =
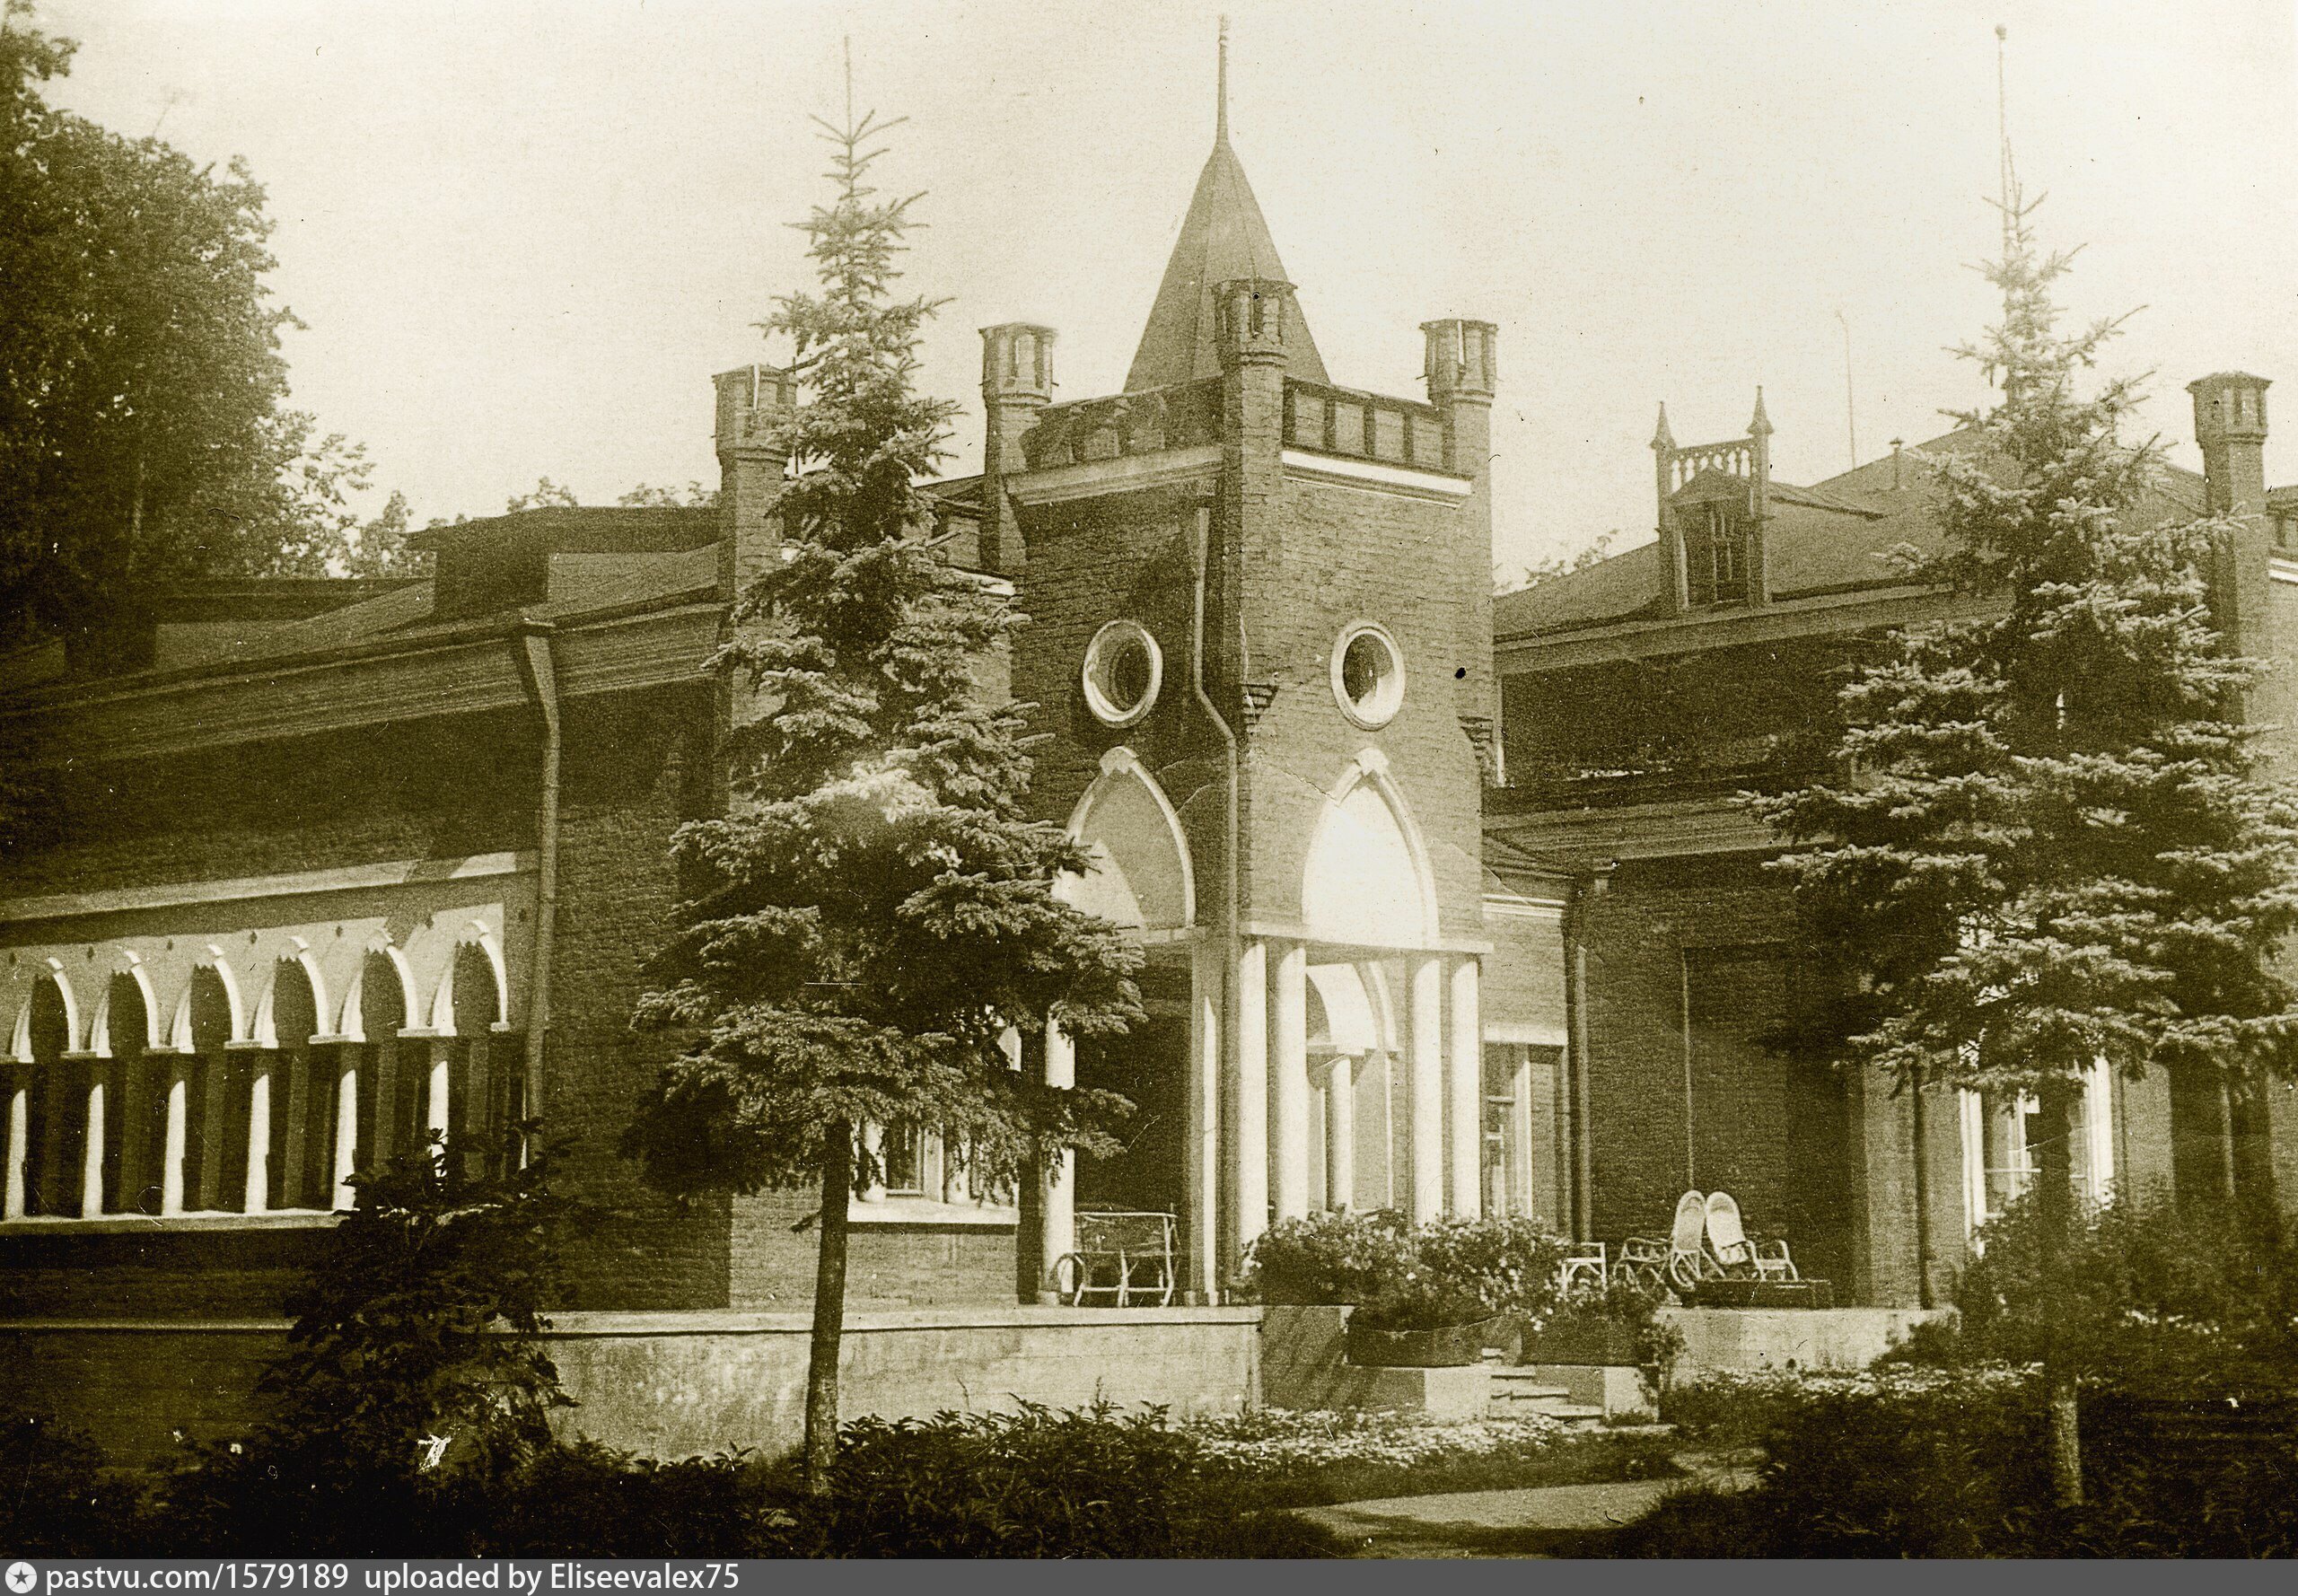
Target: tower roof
[(1223, 238)]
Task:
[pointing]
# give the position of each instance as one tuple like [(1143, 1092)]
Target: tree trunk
[(2054, 1153), (830, 1311)]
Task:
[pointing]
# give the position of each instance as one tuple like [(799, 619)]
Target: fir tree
[(881, 915), (2051, 841)]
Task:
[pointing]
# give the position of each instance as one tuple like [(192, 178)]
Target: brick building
[(1643, 694), (1430, 923)]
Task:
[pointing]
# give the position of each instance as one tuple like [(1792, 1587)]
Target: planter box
[(1581, 1341), (1444, 1348)]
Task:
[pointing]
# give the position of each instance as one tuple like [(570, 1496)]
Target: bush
[(1331, 1258), (1508, 1264), (1445, 1272), (1036, 1484), (59, 1497), (1932, 1463), (2147, 1295)]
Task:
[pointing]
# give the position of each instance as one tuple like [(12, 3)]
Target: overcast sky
[(523, 235)]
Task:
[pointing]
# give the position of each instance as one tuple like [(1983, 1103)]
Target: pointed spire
[(1760, 426), (1662, 439), (1221, 102), (1223, 238)]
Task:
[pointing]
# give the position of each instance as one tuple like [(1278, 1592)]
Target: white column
[(1425, 1124), (1249, 1145), (1466, 1095), (436, 1102), (92, 1157), (172, 1143), (1520, 1136), (1340, 1133), (20, 1105), (346, 1130), (874, 1143), (1058, 1235), (259, 1186), (1201, 1157), (1288, 1065)]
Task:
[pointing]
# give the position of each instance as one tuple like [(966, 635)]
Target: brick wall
[(1786, 1138)]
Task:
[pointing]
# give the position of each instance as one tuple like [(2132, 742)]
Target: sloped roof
[(1223, 238), (1824, 539)]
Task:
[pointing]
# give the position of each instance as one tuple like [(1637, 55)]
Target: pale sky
[(524, 234)]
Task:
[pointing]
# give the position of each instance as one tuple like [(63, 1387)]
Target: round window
[(1367, 675), (1123, 671)]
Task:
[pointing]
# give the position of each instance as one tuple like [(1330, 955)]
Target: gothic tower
[(1261, 650)]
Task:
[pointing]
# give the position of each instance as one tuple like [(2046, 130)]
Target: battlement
[(1179, 417), (1362, 425)]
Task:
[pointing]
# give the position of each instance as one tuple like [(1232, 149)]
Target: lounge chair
[(1679, 1261), (1735, 1253)]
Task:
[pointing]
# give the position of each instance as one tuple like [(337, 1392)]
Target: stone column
[(92, 1156), (1249, 1103), (1201, 1156), (256, 1195), (19, 1148), (438, 1109), (1288, 1063), (1465, 1121), (1520, 1135), (175, 1140), (1340, 1133), (347, 1129), (1057, 1236), (1424, 1122)]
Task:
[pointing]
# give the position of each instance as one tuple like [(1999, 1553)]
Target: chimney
[(2230, 424), (1016, 386), (1460, 358), (754, 403)]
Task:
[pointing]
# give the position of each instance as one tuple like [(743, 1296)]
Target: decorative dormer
[(1713, 500)]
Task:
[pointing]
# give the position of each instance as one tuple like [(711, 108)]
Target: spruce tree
[(2050, 839), (879, 916)]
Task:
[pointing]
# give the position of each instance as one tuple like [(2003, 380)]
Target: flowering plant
[(1445, 1272), (1273, 1438), (1331, 1258)]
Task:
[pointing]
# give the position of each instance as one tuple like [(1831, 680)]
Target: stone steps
[(1514, 1393)]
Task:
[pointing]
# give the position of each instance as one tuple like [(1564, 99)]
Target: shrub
[(413, 1382), (1445, 1272), (60, 1496), (1329, 1258), (1932, 1463), (2147, 1293), (1507, 1263), (1035, 1483)]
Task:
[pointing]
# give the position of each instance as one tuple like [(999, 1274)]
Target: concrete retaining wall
[(672, 1384), (1746, 1340)]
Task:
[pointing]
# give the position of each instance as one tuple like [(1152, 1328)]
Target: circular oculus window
[(1124, 669), (1367, 675)]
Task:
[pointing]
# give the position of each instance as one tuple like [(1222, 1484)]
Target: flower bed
[(1277, 1457)]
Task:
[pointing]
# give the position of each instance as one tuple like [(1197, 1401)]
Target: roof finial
[(1221, 102), (1760, 425)]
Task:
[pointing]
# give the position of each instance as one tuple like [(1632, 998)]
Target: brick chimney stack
[(1016, 386), (2230, 424), (754, 403), (1461, 376)]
